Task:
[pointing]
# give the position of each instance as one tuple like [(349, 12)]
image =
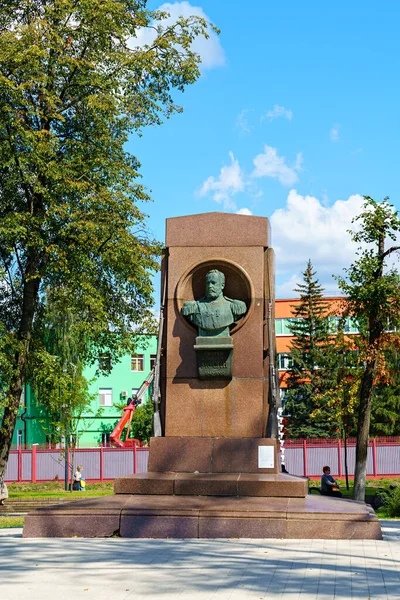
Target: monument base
[(168, 516), (209, 488)]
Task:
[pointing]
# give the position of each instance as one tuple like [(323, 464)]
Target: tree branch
[(389, 251)]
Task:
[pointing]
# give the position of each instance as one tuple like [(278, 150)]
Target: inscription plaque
[(214, 357), (266, 458)]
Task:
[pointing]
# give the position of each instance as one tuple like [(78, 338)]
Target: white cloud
[(334, 133), (270, 164), (242, 122), (229, 182), (210, 50), (244, 211), (306, 229), (278, 111), (285, 289)]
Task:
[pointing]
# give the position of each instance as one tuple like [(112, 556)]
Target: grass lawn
[(55, 489), (6, 522)]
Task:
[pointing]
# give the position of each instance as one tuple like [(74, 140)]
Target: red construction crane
[(126, 418)]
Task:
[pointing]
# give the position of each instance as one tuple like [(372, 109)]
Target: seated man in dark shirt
[(329, 487)]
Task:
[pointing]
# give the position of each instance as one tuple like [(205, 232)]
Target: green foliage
[(142, 421), (74, 84), (371, 286), (309, 374), (56, 375), (338, 401), (391, 503)]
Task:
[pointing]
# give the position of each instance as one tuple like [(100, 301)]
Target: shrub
[(392, 502)]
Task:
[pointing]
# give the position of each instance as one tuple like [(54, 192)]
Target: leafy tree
[(56, 376), (308, 373), (385, 409), (142, 421), (338, 402), (74, 83), (372, 289)]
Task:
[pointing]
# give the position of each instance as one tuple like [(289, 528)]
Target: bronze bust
[(214, 313)]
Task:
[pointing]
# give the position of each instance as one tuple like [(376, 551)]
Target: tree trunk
[(364, 416), (30, 295), (346, 467), (6, 433)]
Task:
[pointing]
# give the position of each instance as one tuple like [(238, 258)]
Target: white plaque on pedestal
[(266, 458)]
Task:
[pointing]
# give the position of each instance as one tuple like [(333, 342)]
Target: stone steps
[(213, 484), (25, 505)]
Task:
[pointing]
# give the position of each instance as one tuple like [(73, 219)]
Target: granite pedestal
[(168, 516)]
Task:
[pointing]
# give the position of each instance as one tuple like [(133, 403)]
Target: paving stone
[(218, 569)]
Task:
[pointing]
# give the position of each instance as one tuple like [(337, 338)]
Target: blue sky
[(295, 116)]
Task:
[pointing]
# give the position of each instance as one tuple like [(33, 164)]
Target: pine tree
[(309, 375)]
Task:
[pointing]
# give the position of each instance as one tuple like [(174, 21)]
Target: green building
[(32, 422), (110, 393)]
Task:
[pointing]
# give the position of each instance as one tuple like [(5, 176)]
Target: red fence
[(99, 464), (302, 457), (308, 457)]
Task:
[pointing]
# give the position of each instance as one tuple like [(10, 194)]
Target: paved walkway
[(122, 569)]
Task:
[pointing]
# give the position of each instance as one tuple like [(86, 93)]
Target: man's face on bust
[(214, 286)]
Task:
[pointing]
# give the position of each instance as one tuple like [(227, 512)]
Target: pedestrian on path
[(79, 482)]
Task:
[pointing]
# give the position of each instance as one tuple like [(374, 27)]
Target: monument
[(214, 469)]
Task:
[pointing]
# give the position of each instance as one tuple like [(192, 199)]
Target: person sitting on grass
[(79, 482), (329, 487)]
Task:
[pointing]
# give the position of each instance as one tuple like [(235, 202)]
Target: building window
[(137, 362), (153, 358), (282, 326), (351, 326), (105, 362), (19, 438), (105, 439), (284, 362), (105, 397), (283, 392)]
